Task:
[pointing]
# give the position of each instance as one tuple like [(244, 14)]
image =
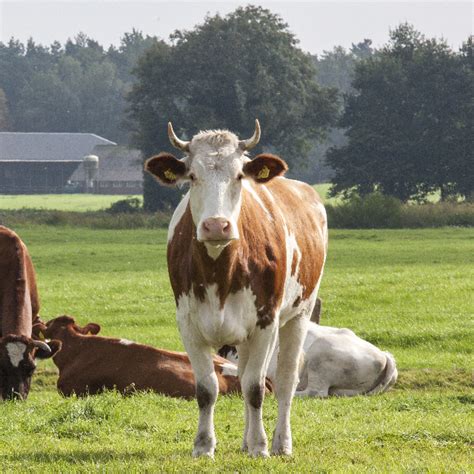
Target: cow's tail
[(388, 377)]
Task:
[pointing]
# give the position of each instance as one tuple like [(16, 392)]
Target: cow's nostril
[(226, 227)]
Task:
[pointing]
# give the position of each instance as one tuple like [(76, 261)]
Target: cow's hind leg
[(243, 352), (260, 348), (291, 338)]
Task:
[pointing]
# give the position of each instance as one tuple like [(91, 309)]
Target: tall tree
[(223, 74), (403, 121), (4, 120)]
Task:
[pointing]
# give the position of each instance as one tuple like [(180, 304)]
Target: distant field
[(60, 202), (408, 291)]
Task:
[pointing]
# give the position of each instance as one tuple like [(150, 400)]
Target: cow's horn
[(253, 140), (175, 141), (42, 345)]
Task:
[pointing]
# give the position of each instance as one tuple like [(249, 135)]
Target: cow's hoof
[(282, 447), (258, 453), (202, 454), (282, 451), (204, 446)]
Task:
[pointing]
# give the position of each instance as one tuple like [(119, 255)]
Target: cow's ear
[(265, 167), (38, 331), (91, 328), (166, 168)]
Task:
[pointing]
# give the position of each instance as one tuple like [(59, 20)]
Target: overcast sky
[(319, 25)]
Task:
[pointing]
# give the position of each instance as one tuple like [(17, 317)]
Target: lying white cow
[(337, 362)]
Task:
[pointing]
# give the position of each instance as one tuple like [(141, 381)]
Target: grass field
[(60, 202), (408, 291)]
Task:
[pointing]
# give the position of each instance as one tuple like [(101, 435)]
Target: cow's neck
[(71, 349)]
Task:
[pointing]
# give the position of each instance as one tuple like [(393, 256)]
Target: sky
[(319, 25)]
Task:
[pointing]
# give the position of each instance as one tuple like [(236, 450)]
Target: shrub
[(372, 211), (125, 206)]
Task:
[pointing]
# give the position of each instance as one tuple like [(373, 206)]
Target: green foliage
[(4, 114), (380, 212), (223, 74), (409, 122), (372, 211), (76, 88), (408, 291), (125, 206)]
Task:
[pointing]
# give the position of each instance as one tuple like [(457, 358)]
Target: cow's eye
[(192, 177), (240, 176)]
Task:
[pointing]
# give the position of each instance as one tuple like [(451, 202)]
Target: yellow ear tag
[(170, 175), (264, 173)]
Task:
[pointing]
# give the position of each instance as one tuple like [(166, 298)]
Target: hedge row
[(374, 211)]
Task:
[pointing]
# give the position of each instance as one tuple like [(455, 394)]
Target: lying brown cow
[(19, 308), (89, 364)]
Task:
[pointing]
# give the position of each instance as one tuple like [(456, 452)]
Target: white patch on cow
[(268, 193), (177, 215), (231, 324), (229, 369), (126, 342), (293, 289), (16, 352), (248, 187), (214, 250)]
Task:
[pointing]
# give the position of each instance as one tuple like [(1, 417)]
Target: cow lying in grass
[(337, 362), (19, 308), (88, 364)]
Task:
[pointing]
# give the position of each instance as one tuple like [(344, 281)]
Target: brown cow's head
[(218, 168), (61, 326), (18, 356)]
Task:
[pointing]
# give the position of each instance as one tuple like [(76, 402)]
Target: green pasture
[(408, 291), (60, 202)]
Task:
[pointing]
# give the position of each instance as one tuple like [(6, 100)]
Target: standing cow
[(19, 308), (246, 250)]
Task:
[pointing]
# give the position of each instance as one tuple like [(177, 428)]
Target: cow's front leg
[(260, 348), (291, 338), (200, 355)]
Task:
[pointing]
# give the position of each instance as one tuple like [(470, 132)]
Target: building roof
[(116, 163), (19, 146)]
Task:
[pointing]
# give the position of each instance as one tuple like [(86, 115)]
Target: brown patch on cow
[(203, 396), (258, 259), (294, 263), (255, 396)]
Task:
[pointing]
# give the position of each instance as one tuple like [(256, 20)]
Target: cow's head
[(61, 327), (18, 356), (216, 165)]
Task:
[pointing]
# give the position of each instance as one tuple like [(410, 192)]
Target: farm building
[(35, 163), (120, 171)]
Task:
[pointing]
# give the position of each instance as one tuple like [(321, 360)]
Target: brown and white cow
[(19, 308), (246, 250), (88, 364)]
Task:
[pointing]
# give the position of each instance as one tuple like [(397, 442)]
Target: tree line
[(397, 120)]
